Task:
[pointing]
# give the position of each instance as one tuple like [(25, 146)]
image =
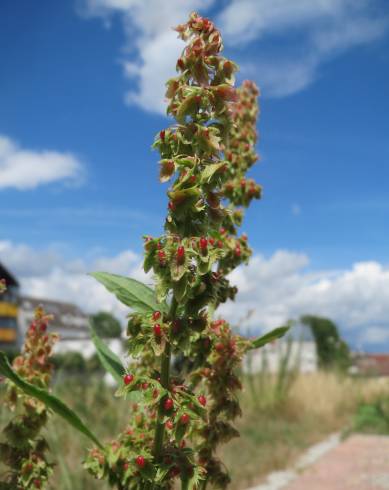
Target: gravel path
[(359, 463)]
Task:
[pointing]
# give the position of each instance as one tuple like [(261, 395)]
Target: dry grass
[(274, 430)]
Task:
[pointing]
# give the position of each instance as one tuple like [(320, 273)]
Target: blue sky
[(80, 98)]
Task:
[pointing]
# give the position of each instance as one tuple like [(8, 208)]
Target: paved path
[(359, 463)]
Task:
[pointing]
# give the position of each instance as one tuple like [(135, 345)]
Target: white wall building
[(297, 349), (70, 323)]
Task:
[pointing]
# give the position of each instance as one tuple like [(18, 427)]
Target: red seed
[(202, 400), (156, 315), (162, 135), (157, 330), (219, 347), (184, 419), (180, 63), (167, 460), (227, 66), (128, 379), (175, 471), (220, 244), (140, 461), (37, 483), (237, 251), (211, 241), (169, 424), (180, 251), (168, 405), (203, 243), (171, 205)]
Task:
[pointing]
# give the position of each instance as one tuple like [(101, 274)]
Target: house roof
[(377, 364), (67, 316), (9, 278)]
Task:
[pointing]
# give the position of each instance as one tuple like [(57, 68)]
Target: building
[(69, 322), (295, 351), (370, 365), (9, 311)]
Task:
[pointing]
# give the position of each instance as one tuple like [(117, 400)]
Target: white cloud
[(279, 288), (274, 289), (245, 20), (45, 273), (27, 169), (322, 30), (148, 27), (318, 31)]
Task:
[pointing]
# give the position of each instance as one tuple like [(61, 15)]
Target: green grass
[(373, 418)]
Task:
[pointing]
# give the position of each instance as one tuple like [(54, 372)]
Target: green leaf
[(108, 359), (50, 401), (182, 196), (269, 337), (131, 292), (209, 171)]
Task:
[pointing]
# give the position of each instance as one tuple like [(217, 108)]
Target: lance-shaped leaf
[(131, 292), (51, 402), (269, 337), (108, 359)]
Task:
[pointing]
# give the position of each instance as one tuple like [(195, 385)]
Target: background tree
[(106, 325), (332, 350)]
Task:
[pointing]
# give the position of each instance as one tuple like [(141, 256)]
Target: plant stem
[(165, 375)]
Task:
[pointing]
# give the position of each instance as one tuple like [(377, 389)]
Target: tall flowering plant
[(185, 414), (182, 382), (24, 448)]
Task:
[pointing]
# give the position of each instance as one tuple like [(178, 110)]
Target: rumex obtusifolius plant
[(182, 418), (24, 449), (182, 383)]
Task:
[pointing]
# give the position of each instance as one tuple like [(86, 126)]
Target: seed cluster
[(24, 449)]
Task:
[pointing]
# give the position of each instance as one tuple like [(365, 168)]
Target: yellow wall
[(8, 310), (7, 334)]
